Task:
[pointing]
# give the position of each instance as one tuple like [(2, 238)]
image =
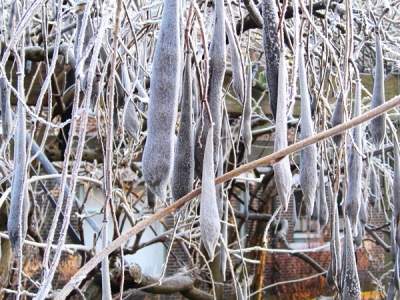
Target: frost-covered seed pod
[(350, 282), (353, 197), (323, 204), (360, 234), (220, 187), (396, 274), (337, 118), (272, 51), (333, 276), (130, 116), (131, 120), (238, 80), (374, 186), (217, 72), (377, 125), (363, 215), (247, 112), (308, 155), (283, 174), (183, 171), (294, 214), (392, 291), (396, 178), (18, 219), (393, 246), (224, 233), (151, 199), (315, 212), (6, 115), (19, 203), (210, 226), (164, 90), (196, 105), (396, 191)]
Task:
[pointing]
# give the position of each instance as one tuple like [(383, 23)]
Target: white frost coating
[(210, 226), (308, 156), (164, 89), (283, 174)]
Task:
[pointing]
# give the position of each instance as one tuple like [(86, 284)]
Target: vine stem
[(266, 160)]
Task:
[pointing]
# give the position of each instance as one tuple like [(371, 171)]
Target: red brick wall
[(282, 267)]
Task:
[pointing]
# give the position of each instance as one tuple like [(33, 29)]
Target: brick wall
[(282, 267)]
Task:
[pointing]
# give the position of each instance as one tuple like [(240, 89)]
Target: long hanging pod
[(224, 237), (246, 134), (247, 112), (374, 183), (393, 248), (224, 228), (283, 174), (130, 116), (391, 293), (337, 118), (308, 155), (6, 115), (333, 276), (396, 212), (360, 234), (272, 51), (363, 214), (164, 90), (323, 204), (315, 213), (377, 125), (354, 183), (396, 190), (131, 121), (350, 282), (17, 222), (396, 275), (214, 94), (183, 171), (238, 79), (210, 226)]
